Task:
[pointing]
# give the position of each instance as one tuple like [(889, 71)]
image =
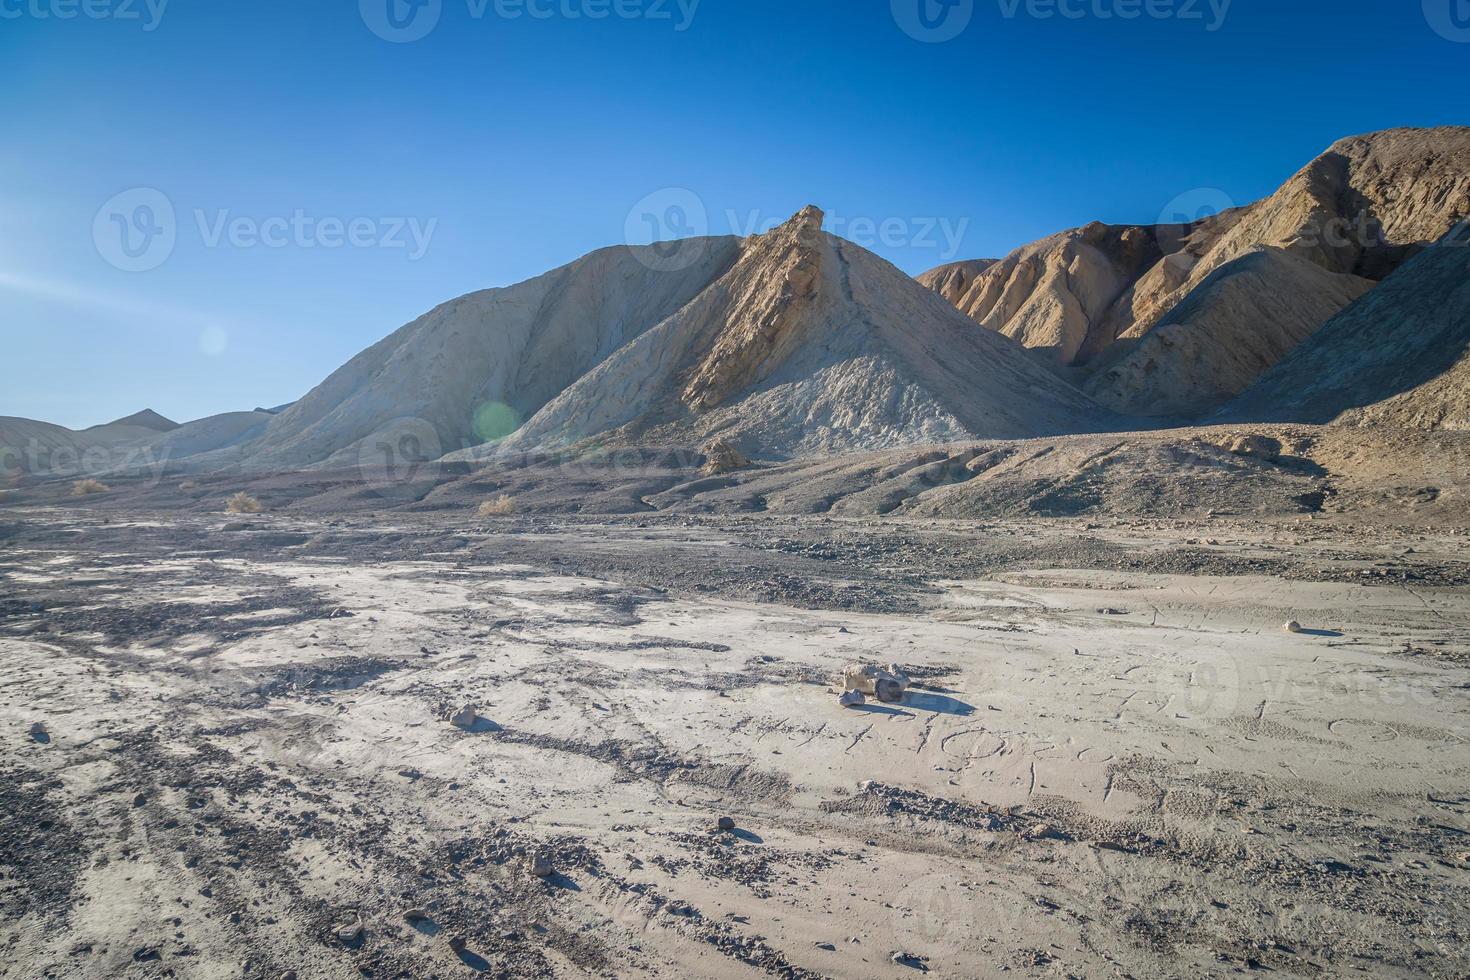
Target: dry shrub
[(85, 488), (498, 506), (243, 503)]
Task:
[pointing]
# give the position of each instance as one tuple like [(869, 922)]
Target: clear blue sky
[(526, 142)]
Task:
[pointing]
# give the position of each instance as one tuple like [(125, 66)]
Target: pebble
[(725, 823), (540, 867), (350, 933), (1293, 627)]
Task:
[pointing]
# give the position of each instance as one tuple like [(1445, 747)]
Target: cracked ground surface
[(1114, 761)]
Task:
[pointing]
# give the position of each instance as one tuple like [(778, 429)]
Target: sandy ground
[(1114, 761)]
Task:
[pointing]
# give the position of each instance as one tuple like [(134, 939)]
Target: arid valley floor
[(1114, 760)]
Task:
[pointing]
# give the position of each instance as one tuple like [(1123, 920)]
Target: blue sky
[(328, 185)]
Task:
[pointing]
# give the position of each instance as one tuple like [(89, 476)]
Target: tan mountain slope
[(954, 280), (810, 344), (1399, 356), (1237, 323), (1047, 295), (1361, 209)]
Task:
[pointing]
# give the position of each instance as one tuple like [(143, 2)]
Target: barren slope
[(474, 367), (1399, 356)]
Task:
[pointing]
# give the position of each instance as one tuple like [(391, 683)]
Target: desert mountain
[(1400, 356), (810, 344), (788, 342), (473, 368), (1356, 213)]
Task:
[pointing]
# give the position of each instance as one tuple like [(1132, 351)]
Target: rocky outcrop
[(766, 325)]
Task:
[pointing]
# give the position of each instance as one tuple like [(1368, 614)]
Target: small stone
[(540, 867), (466, 717), (350, 933), (726, 823), (1041, 832), (458, 944), (852, 699), (1293, 627), (414, 915), (827, 946), (140, 800), (146, 955)]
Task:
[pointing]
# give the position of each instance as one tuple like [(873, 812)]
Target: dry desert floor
[(224, 749)]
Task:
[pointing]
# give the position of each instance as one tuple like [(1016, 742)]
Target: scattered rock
[(887, 685), (726, 823), (910, 960), (351, 932), (415, 915), (1293, 627), (829, 947), (466, 717), (540, 867), (721, 456), (852, 699), (148, 954), (1041, 831), (1256, 447), (458, 944)]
